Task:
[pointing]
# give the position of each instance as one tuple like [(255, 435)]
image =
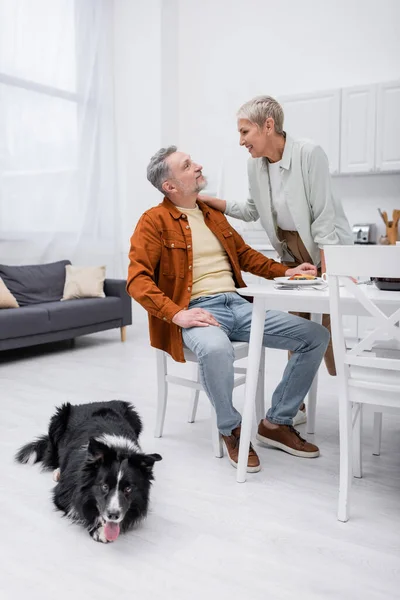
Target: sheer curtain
[(58, 196)]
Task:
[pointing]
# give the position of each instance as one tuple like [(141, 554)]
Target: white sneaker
[(301, 417)]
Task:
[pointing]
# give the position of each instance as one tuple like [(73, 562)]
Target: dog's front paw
[(99, 536)]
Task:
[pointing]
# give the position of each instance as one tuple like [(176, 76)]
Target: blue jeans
[(212, 346)]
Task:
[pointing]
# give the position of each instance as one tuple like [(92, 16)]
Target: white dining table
[(266, 296)]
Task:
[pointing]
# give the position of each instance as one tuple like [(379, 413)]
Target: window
[(39, 116)]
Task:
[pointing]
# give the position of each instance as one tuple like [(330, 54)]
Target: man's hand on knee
[(194, 317)]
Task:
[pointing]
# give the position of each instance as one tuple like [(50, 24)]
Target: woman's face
[(252, 137)]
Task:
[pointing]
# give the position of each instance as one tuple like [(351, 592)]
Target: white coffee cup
[(324, 277)]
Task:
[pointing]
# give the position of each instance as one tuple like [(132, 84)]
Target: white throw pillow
[(84, 282)]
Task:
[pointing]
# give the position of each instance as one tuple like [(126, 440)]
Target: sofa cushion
[(22, 322), (85, 311), (33, 284)]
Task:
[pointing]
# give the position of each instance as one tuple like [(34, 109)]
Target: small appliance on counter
[(364, 233)]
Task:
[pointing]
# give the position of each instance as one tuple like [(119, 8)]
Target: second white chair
[(368, 373)]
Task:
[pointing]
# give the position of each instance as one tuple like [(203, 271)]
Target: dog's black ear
[(148, 460), (96, 450)]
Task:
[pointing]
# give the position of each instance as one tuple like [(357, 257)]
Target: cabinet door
[(388, 127), (357, 146), (315, 117)]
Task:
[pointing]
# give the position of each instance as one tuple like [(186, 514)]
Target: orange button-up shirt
[(160, 272)]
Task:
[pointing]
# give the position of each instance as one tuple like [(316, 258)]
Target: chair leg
[(162, 392), (346, 457), (377, 433), (260, 400), (123, 333), (312, 394), (312, 405), (357, 440), (216, 436), (195, 396)]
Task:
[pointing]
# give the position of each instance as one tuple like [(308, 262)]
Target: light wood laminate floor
[(275, 537)]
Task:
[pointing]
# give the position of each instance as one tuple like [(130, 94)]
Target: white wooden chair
[(369, 372), (164, 378)]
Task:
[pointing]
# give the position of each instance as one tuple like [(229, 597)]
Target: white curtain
[(58, 196)]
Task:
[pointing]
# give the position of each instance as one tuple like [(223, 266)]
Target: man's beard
[(201, 183)]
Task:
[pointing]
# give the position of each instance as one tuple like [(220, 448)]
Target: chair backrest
[(344, 263)]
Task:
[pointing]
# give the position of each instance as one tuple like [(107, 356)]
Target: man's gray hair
[(259, 109), (157, 169)]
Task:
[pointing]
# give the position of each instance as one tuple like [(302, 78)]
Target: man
[(185, 265)]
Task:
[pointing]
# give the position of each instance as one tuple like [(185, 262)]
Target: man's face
[(186, 176)]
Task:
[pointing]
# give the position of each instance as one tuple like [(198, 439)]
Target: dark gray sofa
[(43, 318)]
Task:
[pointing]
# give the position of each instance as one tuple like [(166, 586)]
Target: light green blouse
[(318, 216)]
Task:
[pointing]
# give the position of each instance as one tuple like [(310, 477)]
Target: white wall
[(230, 51), (183, 67), (169, 72), (137, 85)]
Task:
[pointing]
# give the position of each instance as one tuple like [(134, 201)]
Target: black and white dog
[(103, 476)]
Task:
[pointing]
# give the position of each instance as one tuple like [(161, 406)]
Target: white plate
[(296, 282)]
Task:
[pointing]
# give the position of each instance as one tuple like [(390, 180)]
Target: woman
[(289, 191)]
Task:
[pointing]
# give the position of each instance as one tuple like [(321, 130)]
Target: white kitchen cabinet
[(387, 156), (316, 117), (358, 129)]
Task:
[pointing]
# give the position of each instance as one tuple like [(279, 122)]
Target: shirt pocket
[(173, 258), (228, 235)]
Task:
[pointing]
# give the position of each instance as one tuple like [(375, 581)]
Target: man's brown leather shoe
[(287, 438), (232, 447)]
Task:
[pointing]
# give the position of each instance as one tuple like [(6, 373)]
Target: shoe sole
[(300, 420), (288, 449), (248, 469)]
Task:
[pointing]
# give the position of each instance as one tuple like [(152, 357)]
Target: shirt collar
[(176, 213), (170, 206), (287, 153)]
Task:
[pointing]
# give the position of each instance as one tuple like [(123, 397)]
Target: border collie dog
[(103, 477)]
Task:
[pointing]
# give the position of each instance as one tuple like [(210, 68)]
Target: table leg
[(312, 394), (253, 365)]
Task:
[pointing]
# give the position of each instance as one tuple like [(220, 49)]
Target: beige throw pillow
[(84, 282), (7, 300)]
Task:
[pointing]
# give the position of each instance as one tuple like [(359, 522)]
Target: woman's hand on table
[(303, 269)]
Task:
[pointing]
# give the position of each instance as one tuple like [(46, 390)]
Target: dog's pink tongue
[(111, 531)]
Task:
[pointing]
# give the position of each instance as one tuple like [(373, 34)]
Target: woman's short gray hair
[(261, 108), (157, 169)]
